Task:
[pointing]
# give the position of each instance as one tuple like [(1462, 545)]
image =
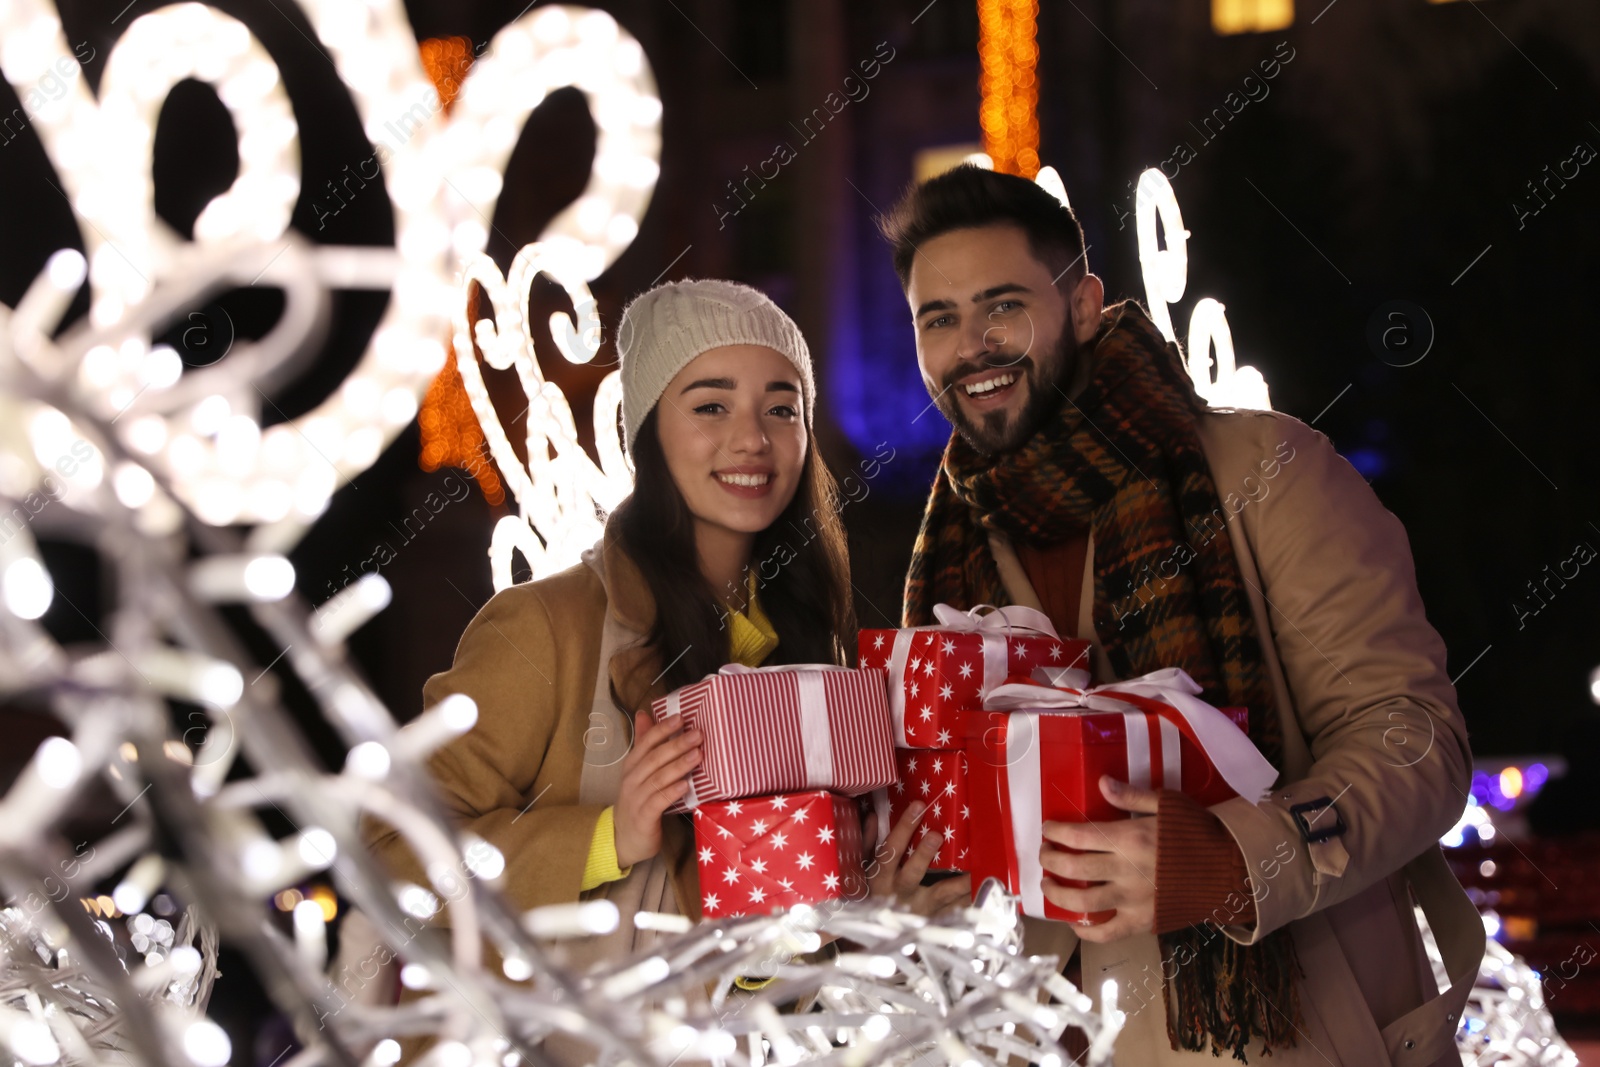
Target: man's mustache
[(998, 361)]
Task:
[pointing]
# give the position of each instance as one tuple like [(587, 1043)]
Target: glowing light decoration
[(1008, 50), (443, 178), (1166, 272), (562, 495)]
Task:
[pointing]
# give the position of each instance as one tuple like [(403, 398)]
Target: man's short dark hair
[(969, 196)]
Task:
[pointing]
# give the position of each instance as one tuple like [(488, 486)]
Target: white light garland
[(562, 495), (1166, 273), (443, 175)]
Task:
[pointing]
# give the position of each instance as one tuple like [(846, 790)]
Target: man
[(1086, 478)]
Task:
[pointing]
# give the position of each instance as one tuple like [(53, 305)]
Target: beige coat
[(1369, 720), (530, 658)]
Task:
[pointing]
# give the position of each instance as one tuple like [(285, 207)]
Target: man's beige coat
[(1369, 720)]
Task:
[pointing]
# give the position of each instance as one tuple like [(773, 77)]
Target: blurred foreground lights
[(415, 900), (129, 898), (59, 762), (31, 1041), (257, 579), (205, 1043), (385, 1054), (483, 859), (67, 270), (261, 860), (27, 589), (876, 1028), (572, 920), (317, 848), (415, 976), (517, 968), (459, 712), (162, 368), (369, 760), (1594, 685), (133, 485), (350, 608)]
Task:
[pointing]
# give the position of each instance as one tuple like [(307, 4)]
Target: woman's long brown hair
[(801, 563)]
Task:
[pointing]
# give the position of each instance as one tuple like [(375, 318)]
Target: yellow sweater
[(751, 639)]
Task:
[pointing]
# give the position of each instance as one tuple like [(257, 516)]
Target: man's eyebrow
[(709, 383), (977, 298)]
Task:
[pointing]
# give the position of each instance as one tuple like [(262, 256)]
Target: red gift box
[(784, 730), (1028, 767), (937, 777), (765, 854), (937, 671)]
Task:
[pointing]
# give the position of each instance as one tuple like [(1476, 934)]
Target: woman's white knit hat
[(665, 328)]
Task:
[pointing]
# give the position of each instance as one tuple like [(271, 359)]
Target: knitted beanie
[(665, 328)]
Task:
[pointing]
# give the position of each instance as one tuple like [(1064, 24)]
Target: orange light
[(326, 900), (1008, 51), (286, 899), (1511, 782), (1251, 16), (451, 436)]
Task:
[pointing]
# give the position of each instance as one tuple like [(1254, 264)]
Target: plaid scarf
[(1124, 460)]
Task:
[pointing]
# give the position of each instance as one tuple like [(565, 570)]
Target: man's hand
[(655, 772), (896, 871), (1119, 855)]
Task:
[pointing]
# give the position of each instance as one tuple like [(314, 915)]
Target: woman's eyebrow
[(709, 383)]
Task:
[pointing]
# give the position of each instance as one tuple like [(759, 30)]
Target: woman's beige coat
[(530, 659)]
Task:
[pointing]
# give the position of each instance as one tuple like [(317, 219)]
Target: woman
[(730, 548)]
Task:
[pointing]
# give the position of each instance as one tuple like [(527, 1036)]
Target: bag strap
[(607, 738), (1427, 1033)]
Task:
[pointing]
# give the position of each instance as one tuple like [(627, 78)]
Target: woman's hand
[(655, 772), (896, 871)]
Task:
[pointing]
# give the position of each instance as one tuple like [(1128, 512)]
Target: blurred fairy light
[(1008, 51), (1166, 272)]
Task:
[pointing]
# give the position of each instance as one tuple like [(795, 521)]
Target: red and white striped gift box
[(784, 730)]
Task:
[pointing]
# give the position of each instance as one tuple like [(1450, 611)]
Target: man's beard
[(999, 431)]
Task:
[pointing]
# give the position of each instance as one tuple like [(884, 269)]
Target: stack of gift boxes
[(989, 719), (937, 675), (785, 753)]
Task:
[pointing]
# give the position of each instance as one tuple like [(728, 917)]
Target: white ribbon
[(1025, 786), (1230, 751), (995, 627), (814, 741), (815, 744)]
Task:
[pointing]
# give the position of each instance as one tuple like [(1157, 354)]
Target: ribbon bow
[(1169, 693), (1013, 618)]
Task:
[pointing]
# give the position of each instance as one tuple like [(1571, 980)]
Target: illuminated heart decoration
[(561, 493), (443, 180)]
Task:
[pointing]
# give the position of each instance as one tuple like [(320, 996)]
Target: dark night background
[(1387, 164)]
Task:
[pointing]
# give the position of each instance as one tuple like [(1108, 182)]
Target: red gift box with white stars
[(936, 671), (938, 777), (768, 853)]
